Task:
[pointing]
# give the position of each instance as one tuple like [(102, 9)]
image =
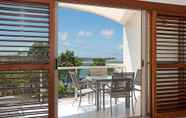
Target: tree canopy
[(99, 62), (69, 59), (39, 49)]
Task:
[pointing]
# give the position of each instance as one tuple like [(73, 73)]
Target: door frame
[(51, 66), (151, 8), (131, 4)]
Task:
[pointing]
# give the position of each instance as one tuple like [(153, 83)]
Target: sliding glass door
[(27, 58)]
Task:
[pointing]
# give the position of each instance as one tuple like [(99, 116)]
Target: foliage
[(65, 90), (39, 49), (62, 74), (13, 80), (99, 62), (66, 59), (61, 89), (22, 79), (69, 59)]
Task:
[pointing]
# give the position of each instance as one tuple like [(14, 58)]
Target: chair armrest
[(109, 86)]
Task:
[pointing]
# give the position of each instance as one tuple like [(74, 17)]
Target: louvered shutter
[(169, 66), (26, 59)]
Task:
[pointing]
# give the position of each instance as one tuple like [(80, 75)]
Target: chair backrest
[(98, 72), (128, 75), (137, 80), (74, 79), (122, 84)]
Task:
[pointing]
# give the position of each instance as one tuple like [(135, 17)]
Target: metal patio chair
[(99, 72), (122, 87), (82, 87)]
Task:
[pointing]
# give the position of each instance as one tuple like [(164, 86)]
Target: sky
[(89, 35)]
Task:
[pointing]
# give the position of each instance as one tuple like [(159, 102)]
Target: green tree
[(39, 49), (66, 59), (69, 59), (24, 79), (99, 62), (13, 80)]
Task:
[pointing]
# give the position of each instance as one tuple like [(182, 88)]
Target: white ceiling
[(119, 15), (178, 2)]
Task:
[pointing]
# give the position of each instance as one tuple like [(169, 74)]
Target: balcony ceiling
[(118, 15)]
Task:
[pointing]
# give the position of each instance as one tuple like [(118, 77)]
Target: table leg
[(100, 101), (127, 101), (103, 96), (97, 97)]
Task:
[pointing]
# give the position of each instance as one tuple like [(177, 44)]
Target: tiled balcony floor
[(67, 109)]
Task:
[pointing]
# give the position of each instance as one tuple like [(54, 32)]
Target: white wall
[(132, 42)]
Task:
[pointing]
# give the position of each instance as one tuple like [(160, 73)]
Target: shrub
[(61, 90)]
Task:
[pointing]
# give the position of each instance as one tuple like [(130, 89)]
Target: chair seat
[(119, 94)]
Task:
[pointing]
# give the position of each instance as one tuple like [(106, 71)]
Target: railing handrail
[(90, 67)]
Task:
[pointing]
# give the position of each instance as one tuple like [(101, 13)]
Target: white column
[(132, 42)]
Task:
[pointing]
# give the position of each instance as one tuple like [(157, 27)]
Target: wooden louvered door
[(27, 59), (168, 65)]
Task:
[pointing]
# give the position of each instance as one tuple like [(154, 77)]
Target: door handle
[(142, 63)]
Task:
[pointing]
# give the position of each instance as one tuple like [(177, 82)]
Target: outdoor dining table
[(100, 83)]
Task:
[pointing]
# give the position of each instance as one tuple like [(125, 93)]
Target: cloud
[(63, 38), (84, 33), (120, 46), (107, 33), (65, 43)]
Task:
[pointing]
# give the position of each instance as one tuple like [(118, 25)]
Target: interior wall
[(132, 43)]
